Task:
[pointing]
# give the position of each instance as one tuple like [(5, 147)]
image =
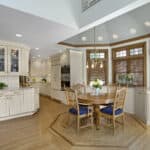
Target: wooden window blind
[(97, 72), (133, 63)]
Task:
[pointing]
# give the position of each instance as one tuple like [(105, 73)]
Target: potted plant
[(2, 85), (96, 85)]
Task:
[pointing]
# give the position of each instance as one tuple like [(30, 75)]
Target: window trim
[(88, 51), (130, 57)]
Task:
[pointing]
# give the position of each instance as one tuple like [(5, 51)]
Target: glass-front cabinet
[(14, 61), (3, 60)]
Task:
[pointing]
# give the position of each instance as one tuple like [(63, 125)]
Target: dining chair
[(117, 109), (111, 88), (82, 111), (80, 88)]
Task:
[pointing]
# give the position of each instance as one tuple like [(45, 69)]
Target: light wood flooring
[(32, 133)]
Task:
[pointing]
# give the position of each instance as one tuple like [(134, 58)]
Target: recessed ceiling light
[(36, 48), (84, 38), (115, 36), (147, 23), (39, 56), (18, 35), (100, 38), (133, 31)]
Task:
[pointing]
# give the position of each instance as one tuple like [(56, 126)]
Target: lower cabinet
[(20, 103), (28, 104), (15, 104), (4, 107)]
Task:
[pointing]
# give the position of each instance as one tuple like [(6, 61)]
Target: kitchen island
[(19, 102)]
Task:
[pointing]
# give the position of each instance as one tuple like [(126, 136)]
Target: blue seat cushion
[(109, 110), (83, 110)]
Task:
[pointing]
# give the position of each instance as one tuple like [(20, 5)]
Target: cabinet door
[(56, 77), (36, 99), (14, 63), (28, 100), (15, 104), (3, 60), (24, 62), (4, 107)]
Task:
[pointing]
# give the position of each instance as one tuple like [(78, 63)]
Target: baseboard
[(17, 116), (144, 125), (44, 95)]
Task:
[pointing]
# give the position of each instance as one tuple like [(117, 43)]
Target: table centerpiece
[(96, 86)]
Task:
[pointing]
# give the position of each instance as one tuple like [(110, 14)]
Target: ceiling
[(37, 32), (119, 26)]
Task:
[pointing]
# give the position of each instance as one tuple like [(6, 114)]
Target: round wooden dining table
[(96, 101)]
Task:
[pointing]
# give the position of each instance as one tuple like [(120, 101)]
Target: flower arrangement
[(2, 85), (126, 78), (97, 84)]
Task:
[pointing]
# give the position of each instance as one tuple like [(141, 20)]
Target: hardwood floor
[(32, 133)]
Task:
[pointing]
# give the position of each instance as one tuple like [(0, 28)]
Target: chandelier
[(96, 61)]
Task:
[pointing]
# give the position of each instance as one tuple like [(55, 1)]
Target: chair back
[(80, 88), (119, 99), (70, 96), (111, 88)]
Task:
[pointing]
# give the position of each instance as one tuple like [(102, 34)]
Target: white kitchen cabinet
[(66, 70), (3, 60), (24, 62), (56, 77), (14, 59), (36, 99), (28, 100), (18, 103), (15, 103), (4, 107)]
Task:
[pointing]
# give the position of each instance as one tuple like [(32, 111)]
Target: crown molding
[(106, 44)]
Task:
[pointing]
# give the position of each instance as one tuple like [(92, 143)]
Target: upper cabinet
[(3, 60), (14, 59)]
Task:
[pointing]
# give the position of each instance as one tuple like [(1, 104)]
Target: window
[(122, 53), (136, 51), (129, 65), (100, 69), (97, 55)]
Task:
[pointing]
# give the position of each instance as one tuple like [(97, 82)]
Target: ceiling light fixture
[(115, 36), (147, 23), (133, 31), (39, 56), (84, 38), (18, 35), (100, 38), (36, 48), (95, 61)]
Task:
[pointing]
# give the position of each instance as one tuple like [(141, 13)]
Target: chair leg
[(123, 118), (114, 124), (78, 124)]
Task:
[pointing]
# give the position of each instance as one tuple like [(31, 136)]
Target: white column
[(109, 65), (148, 62)]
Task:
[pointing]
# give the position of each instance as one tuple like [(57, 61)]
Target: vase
[(97, 91)]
